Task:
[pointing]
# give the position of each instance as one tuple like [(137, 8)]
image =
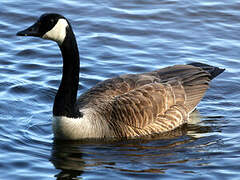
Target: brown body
[(142, 104)]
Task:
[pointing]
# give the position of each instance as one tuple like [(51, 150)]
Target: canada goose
[(127, 106)]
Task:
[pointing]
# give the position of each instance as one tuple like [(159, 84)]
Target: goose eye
[(52, 21)]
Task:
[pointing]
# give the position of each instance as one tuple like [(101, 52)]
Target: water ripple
[(119, 37)]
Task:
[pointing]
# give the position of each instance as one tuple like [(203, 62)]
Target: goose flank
[(127, 106)]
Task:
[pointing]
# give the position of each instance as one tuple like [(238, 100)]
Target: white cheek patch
[(58, 32)]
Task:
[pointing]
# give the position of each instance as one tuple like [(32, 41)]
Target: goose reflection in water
[(76, 157)]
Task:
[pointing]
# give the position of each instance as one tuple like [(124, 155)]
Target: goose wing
[(195, 81), (159, 106), (141, 104), (152, 108)]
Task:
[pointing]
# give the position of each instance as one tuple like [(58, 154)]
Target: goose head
[(48, 26)]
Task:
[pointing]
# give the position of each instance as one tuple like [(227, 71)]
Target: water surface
[(117, 37)]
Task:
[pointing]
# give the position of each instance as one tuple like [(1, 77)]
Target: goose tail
[(214, 71)]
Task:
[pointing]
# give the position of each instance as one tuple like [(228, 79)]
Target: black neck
[(65, 100)]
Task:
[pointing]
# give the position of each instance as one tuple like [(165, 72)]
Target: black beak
[(31, 31)]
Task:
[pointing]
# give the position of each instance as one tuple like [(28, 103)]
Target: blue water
[(117, 37)]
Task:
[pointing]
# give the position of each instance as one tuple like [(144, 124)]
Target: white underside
[(89, 126)]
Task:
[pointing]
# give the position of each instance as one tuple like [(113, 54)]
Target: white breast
[(89, 126)]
